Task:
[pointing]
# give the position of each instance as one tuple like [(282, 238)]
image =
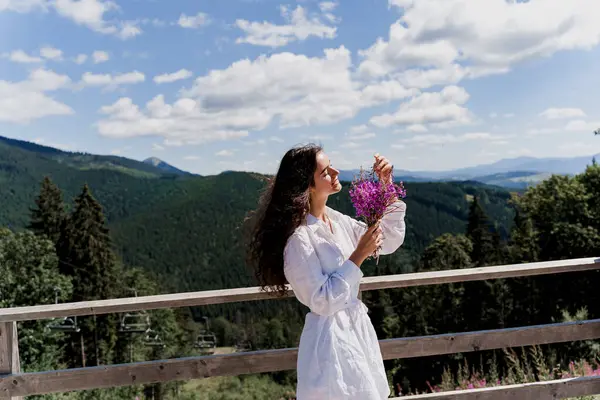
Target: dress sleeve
[(392, 224), (324, 294)]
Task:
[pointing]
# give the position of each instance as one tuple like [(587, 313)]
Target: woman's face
[(325, 177)]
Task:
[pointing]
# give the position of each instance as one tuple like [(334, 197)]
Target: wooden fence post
[(9, 353)]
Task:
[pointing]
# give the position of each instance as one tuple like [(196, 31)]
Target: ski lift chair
[(66, 324), (152, 339), (206, 342), (134, 323)]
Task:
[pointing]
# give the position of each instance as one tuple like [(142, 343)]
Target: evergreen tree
[(478, 300), (480, 233), (523, 247), (86, 255), (47, 219)]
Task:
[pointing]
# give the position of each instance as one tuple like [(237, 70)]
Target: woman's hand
[(383, 169), (368, 243)]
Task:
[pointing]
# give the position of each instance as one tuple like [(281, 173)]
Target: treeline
[(67, 257), (558, 219)]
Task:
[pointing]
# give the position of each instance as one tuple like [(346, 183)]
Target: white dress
[(339, 356)]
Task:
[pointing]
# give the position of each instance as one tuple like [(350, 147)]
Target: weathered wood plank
[(555, 389), (283, 359), (450, 343), (9, 353), (480, 274), (254, 293)]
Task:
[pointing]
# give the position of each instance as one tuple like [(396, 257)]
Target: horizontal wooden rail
[(555, 389), (449, 343), (283, 359), (254, 293)]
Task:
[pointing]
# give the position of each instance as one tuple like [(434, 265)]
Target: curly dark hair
[(282, 208)]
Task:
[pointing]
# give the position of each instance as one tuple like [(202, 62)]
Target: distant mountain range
[(517, 172)]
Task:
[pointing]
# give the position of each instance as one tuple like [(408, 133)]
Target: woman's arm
[(323, 294)]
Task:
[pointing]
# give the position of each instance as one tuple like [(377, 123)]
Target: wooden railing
[(14, 384)]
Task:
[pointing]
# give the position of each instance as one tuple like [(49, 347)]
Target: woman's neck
[(318, 206)]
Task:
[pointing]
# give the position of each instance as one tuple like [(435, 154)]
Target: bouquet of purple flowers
[(371, 198)]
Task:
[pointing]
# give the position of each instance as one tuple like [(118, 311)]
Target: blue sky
[(232, 84)]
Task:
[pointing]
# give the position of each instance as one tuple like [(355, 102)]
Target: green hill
[(186, 228)]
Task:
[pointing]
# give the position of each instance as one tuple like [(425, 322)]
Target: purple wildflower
[(371, 198)]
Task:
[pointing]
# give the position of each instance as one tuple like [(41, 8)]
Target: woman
[(298, 240)]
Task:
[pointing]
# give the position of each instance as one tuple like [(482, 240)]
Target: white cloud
[(276, 139), (429, 77), (51, 53), (291, 90), (181, 123), (191, 158), (193, 21), (80, 59), (442, 139), (100, 56), (23, 6), (317, 138), (175, 76), (297, 89), (350, 145), (128, 30), (417, 128), (430, 107), (288, 90), (562, 113), (361, 136), (45, 80), (157, 147), (89, 13), (299, 27), (509, 115), (490, 36), (92, 14), (19, 56), (540, 131), (580, 125), (327, 6), (25, 101), (384, 92), (224, 153), (109, 81)]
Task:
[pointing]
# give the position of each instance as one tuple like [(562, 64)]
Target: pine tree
[(85, 254), (479, 304), (524, 247), (48, 218), (525, 291), (480, 233)]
